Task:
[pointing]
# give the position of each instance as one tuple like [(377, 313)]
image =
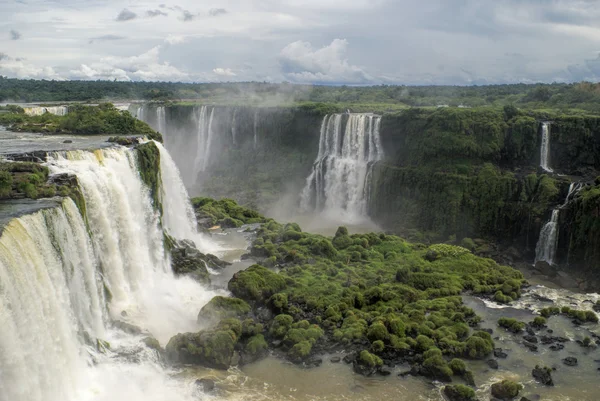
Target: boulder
[(506, 390), (205, 385), (545, 268), (543, 375), (492, 363), (570, 361), (187, 260), (223, 307), (459, 392)]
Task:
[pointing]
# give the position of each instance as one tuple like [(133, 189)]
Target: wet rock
[(205, 385), (570, 361), (530, 338), (543, 375), (529, 330), (127, 327), (152, 343), (385, 372), (561, 339), (349, 358), (492, 363), (541, 298), (545, 268), (335, 359), (276, 343), (557, 347), (498, 353), (532, 347), (67, 141), (546, 340), (490, 331)]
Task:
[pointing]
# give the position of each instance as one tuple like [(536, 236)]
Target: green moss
[(148, 160), (223, 307), (459, 392), (367, 359), (479, 345), (458, 366), (506, 389), (510, 324), (256, 283)]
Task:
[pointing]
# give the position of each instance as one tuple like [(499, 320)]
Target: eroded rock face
[(187, 260)]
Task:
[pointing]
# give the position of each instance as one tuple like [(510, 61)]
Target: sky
[(353, 42)]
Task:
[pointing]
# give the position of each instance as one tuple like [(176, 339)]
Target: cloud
[(175, 39), (213, 12), (145, 67), (187, 16), (301, 63), (155, 13), (18, 68), (106, 38), (14, 35), (224, 72), (126, 15)]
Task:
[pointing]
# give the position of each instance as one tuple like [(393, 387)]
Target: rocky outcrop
[(187, 260)]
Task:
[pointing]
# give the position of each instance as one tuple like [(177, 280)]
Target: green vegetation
[(459, 392), (222, 307), (582, 316), (584, 96), (510, 324), (506, 390), (224, 212), (103, 119), (148, 160)]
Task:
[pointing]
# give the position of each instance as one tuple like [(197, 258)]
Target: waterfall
[(338, 183), (38, 111), (545, 148), (63, 282), (255, 127), (545, 249), (233, 128), (161, 120), (203, 137)]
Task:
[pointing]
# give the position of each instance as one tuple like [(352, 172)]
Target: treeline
[(584, 95)]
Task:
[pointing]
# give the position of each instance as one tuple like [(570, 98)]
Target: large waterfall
[(64, 281), (545, 249), (338, 183), (545, 148)]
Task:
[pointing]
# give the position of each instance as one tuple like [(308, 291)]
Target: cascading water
[(38, 111), (545, 249), (338, 183), (161, 120), (545, 148), (204, 119), (255, 130), (62, 283)]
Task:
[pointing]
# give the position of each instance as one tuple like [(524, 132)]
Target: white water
[(545, 249), (255, 130), (338, 184), (161, 120), (53, 276), (545, 148), (38, 110), (204, 121)]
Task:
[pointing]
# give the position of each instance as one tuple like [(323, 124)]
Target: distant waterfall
[(545, 249), (545, 148), (204, 119), (161, 120), (63, 282), (38, 110), (255, 129), (338, 182)]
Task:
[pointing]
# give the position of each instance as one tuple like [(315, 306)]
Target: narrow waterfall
[(63, 283), (233, 128), (545, 249), (161, 120), (545, 148), (255, 129), (338, 183)]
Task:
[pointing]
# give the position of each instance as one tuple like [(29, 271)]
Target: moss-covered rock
[(459, 392), (211, 348), (366, 363), (223, 307), (256, 283), (506, 390)]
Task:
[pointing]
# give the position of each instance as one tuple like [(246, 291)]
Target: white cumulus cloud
[(224, 72), (300, 62)]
